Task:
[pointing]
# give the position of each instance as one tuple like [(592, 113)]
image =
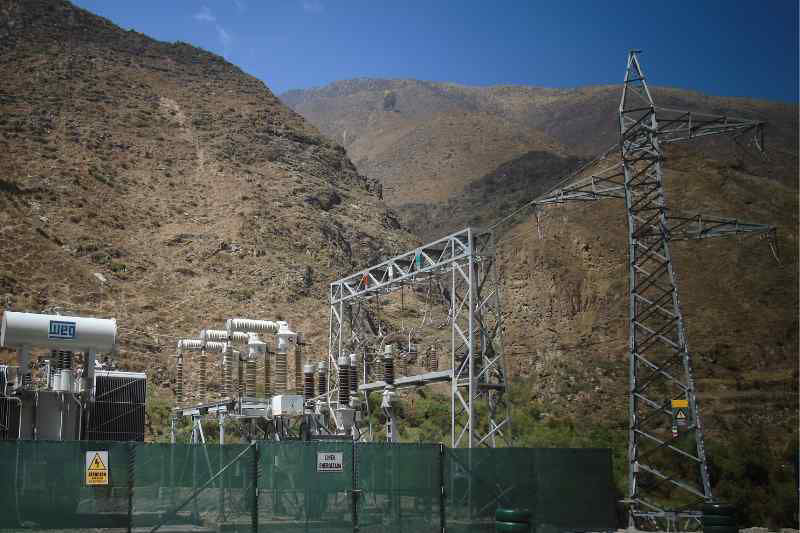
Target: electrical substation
[(309, 456)]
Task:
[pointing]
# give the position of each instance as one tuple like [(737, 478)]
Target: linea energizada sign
[(330, 462)]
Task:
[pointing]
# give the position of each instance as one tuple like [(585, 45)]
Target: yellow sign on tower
[(97, 468)]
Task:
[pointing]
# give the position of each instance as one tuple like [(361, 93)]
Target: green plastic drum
[(522, 516), (512, 527)]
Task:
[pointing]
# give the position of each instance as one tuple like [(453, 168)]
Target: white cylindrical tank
[(54, 331)]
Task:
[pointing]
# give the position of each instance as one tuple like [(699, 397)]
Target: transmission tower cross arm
[(692, 227), (608, 183), (676, 125), (684, 227)]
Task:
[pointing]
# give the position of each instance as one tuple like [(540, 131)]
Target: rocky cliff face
[(158, 184)]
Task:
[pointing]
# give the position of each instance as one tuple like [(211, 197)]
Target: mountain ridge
[(160, 185)]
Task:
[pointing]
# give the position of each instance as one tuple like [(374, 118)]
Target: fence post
[(131, 479), (356, 492), (256, 467), (441, 487)]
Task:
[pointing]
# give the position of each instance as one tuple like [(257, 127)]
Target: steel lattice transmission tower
[(667, 471)]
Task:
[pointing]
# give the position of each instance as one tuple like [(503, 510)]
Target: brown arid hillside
[(565, 275), (425, 142), (160, 185), (416, 135)]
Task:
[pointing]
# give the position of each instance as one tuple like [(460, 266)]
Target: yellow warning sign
[(97, 468), (681, 414), (677, 404)]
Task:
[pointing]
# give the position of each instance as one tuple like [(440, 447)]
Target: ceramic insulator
[(353, 372), (344, 380), (220, 335), (322, 382), (251, 326), (298, 366), (267, 376), (388, 369), (202, 363), (281, 372), (179, 379), (250, 377), (227, 369), (308, 381)]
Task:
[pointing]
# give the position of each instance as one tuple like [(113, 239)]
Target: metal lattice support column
[(478, 373), (660, 364)]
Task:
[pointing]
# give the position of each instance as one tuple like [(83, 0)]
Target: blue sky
[(721, 47)]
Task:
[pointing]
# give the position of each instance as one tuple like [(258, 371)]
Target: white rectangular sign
[(330, 462)]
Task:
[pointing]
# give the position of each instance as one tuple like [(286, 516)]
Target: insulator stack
[(388, 369), (220, 335), (227, 370), (353, 373), (55, 366), (188, 383), (267, 376), (298, 366), (179, 380), (66, 359), (194, 345), (202, 375), (251, 326), (250, 377), (434, 360), (240, 376), (308, 381), (281, 372), (215, 347), (344, 380), (322, 381)]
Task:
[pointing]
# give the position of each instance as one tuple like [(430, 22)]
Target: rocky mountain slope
[(565, 275), (160, 185)]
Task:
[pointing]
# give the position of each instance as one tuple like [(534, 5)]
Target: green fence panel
[(306, 486), (565, 489), (43, 485), (181, 484), (400, 488), (575, 490), (481, 479)]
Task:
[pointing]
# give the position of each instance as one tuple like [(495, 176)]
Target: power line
[(558, 185)]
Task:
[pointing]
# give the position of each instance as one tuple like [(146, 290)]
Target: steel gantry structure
[(464, 266), (667, 470)]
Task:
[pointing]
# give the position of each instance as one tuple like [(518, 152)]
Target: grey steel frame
[(478, 371), (660, 367)]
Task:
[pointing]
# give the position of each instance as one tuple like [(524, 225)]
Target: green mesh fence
[(400, 488), (575, 489), (184, 484), (306, 486), (320, 486), (565, 489), (42, 486)]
